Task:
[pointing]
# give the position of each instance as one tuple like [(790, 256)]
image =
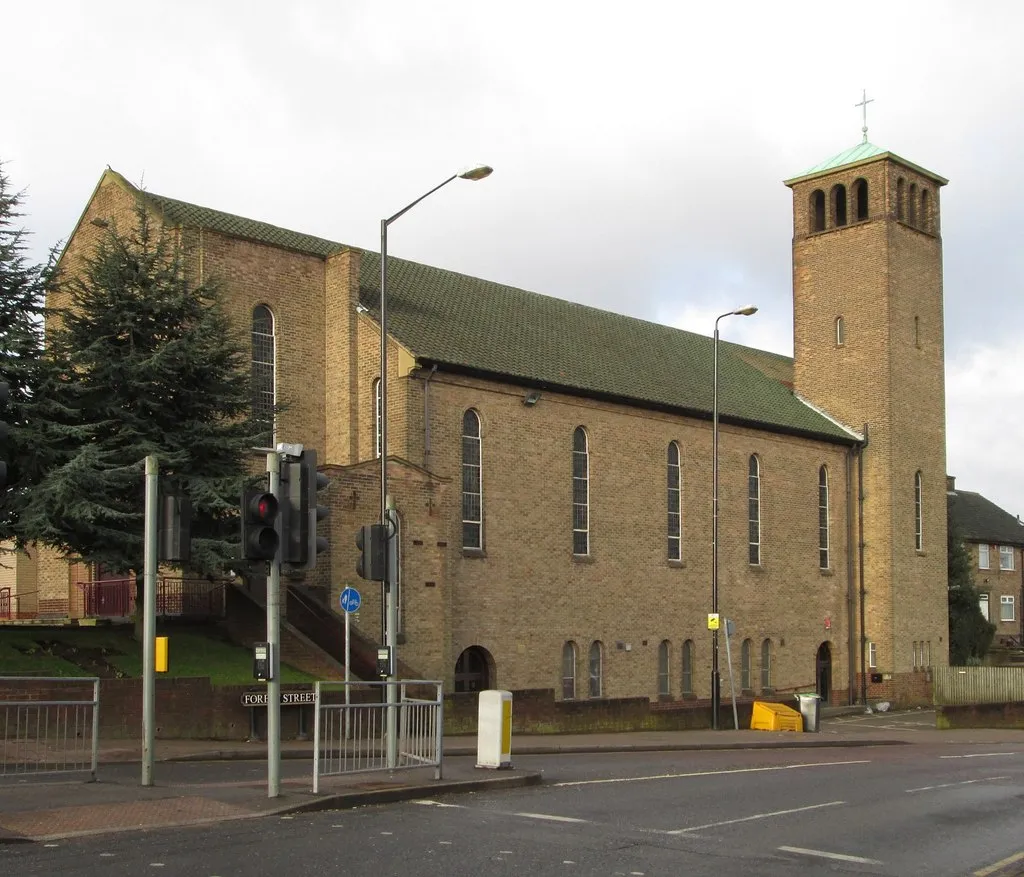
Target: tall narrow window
[(675, 522), (664, 681), (840, 332), (263, 369), (745, 665), (1006, 557), (569, 671), (983, 557), (596, 664), (917, 331), (872, 655), (983, 605), (817, 210), (472, 496), (376, 418), (686, 674), (918, 524), (823, 531), (912, 204), (754, 507), (860, 197), (926, 210), (766, 665), (900, 186), (839, 205), (580, 492)]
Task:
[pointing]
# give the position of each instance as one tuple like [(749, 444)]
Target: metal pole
[(348, 678), (732, 679), (274, 639), (316, 734), (392, 640), (95, 728), (149, 620), (715, 679)]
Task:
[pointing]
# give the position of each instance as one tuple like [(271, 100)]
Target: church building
[(552, 463)]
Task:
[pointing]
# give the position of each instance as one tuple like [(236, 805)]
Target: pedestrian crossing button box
[(262, 669)]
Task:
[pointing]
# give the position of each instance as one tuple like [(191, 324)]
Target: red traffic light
[(260, 540)]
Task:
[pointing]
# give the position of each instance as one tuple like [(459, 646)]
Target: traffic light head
[(259, 533), (371, 540), (300, 484)]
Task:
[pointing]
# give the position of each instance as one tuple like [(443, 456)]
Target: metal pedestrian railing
[(42, 731), (350, 727)]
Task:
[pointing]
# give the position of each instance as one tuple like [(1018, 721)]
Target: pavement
[(46, 807)]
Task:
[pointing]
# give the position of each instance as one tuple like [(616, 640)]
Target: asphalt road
[(895, 810)]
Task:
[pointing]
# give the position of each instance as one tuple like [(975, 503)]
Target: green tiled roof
[(848, 156), (980, 520), (484, 327)]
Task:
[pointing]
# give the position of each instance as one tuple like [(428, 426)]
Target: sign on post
[(350, 600)]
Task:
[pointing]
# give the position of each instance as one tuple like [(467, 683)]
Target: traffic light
[(300, 483), (259, 535), (175, 537), (371, 540), (5, 395)]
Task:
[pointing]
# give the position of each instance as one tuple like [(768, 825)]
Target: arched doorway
[(473, 670), (824, 672)]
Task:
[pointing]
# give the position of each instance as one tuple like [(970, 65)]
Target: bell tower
[(868, 349)]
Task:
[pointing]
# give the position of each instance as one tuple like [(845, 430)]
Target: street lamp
[(716, 687), (477, 172)]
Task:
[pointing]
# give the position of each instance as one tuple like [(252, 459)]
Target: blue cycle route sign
[(350, 600)]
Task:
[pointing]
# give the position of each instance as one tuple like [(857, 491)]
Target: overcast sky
[(639, 148)]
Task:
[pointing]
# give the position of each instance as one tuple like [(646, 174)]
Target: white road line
[(710, 773), (550, 817), (839, 857), (756, 816), (979, 755), (961, 783)]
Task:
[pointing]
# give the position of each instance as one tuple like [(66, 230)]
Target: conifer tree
[(147, 363), (970, 634)]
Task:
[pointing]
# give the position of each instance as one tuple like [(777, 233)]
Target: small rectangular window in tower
[(840, 332), (917, 332)]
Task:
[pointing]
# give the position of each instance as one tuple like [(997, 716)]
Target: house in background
[(996, 542)]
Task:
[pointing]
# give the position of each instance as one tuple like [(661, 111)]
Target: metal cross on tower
[(865, 100)]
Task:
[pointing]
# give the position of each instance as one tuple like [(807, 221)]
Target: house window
[(264, 348), (596, 664), (823, 533), (580, 492), (918, 528), (873, 655), (376, 418), (839, 205), (1006, 608), (569, 671), (766, 665), (472, 497), (840, 332), (745, 665), (900, 185), (686, 676), (983, 560), (860, 197), (675, 526), (817, 210), (983, 606), (754, 510), (1006, 557), (664, 682)]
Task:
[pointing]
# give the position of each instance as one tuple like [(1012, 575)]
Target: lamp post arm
[(409, 207)]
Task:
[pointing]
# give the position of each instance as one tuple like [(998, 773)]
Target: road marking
[(961, 783), (549, 816), (979, 755), (756, 816), (426, 802), (839, 857), (998, 866), (710, 773)]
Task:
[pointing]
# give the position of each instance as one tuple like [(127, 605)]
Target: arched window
[(766, 665), (817, 210), (596, 667), (860, 199), (754, 509), (664, 683), (840, 332), (580, 492), (569, 671), (926, 210), (899, 199), (264, 358), (838, 205), (472, 495), (823, 534), (675, 520), (745, 684), (686, 674), (912, 204), (918, 524), (376, 418)]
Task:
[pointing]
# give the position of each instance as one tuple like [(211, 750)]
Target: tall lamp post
[(391, 610), (716, 682)]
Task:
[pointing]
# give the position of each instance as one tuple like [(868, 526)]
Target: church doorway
[(824, 672), (473, 670)]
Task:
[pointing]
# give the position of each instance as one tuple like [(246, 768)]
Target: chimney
[(950, 484)]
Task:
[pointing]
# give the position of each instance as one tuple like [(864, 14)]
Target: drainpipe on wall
[(860, 564), (426, 418), (851, 592)]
